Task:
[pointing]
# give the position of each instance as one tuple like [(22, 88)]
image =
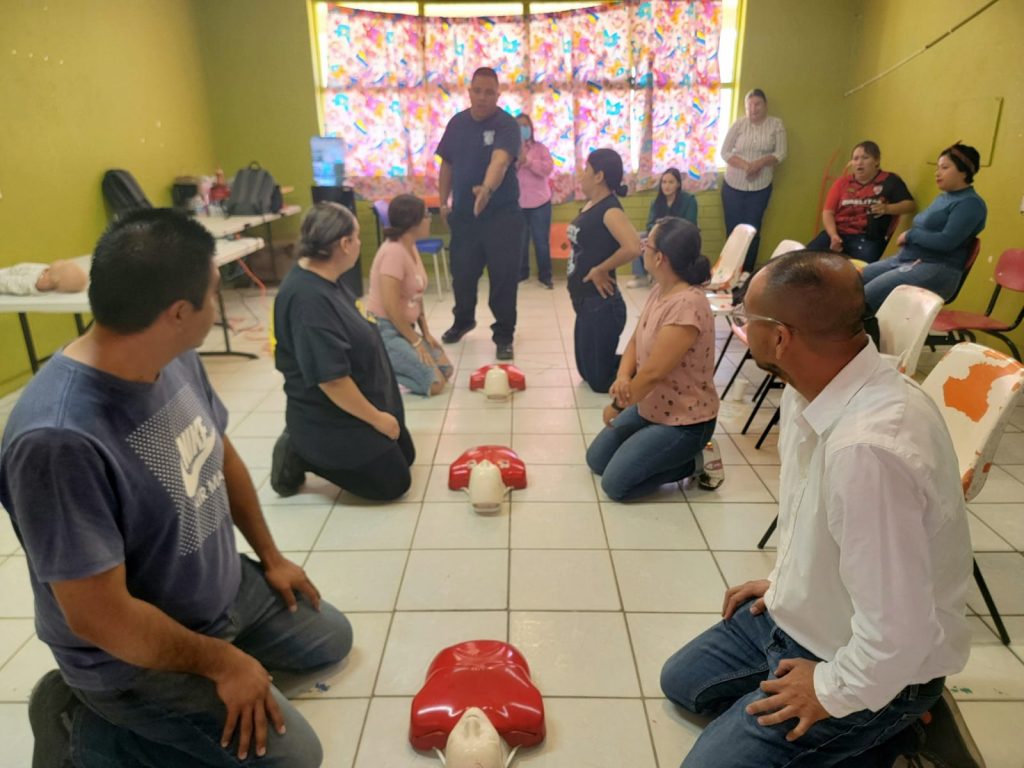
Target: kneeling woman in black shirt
[(344, 415), (603, 239)]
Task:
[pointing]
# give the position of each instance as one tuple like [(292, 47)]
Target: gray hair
[(324, 225)]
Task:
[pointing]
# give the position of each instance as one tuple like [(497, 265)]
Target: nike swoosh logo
[(190, 470)]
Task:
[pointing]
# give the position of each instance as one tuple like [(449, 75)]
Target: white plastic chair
[(976, 405), (722, 305), (787, 246), (730, 261), (904, 319), (976, 390)]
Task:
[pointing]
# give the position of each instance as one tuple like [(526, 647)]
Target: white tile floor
[(596, 594)]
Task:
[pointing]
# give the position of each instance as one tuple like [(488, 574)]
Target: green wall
[(945, 94), (168, 87), (258, 69), (86, 87), (798, 53)]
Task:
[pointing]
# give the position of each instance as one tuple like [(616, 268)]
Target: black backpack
[(123, 193), (254, 191)]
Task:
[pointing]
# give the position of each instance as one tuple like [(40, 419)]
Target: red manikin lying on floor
[(488, 674), (513, 471), (516, 380)]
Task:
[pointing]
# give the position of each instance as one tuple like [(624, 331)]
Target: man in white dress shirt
[(833, 659)]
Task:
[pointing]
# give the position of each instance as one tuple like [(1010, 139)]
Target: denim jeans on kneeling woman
[(635, 456)]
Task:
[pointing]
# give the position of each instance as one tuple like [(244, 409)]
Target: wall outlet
[(1022, 205)]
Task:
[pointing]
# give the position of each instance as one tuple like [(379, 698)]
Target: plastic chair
[(960, 326), (786, 246), (903, 322), (561, 248), (976, 407), (430, 246), (972, 257), (730, 262), (976, 390)]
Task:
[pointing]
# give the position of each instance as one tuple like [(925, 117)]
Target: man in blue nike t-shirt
[(124, 492)]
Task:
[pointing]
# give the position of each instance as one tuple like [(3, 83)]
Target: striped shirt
[(750, 142)]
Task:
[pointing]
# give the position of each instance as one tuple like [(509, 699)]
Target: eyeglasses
[(741, 318)]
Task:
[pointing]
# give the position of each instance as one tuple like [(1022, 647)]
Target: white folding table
[(228, 226), (77, 304)]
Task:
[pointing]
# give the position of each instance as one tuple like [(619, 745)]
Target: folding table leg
[(227, 351), (30, 347)]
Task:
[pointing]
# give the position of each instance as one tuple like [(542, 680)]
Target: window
[(640, 77), (407, 8), (728, 49)]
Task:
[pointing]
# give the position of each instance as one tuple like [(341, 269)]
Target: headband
[(962, 157)]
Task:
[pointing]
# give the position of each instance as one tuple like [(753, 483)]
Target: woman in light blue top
[(934, 250)]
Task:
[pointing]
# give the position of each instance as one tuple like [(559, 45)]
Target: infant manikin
[(475, 743), (29, 279)]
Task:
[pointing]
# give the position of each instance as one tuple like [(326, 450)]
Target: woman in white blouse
[(754, 145)]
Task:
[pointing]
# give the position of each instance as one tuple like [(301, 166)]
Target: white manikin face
[(496, 386), (486, 491), (474, 743)]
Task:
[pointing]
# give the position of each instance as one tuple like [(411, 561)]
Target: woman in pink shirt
[(397, 282), (665, 404), (533, 168)]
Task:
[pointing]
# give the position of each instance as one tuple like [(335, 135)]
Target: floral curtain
[(638, 77)]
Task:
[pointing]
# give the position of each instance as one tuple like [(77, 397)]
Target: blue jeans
[(719, 673), (745, 208), (881, 277), (599, 323), (538, 229), (175, 720), (411, 372), (854, 246), (635, 456)]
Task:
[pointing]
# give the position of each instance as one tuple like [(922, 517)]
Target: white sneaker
[(713, 473), (640, 282)]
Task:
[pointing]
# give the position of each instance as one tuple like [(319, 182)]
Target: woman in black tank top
[(603, 239)]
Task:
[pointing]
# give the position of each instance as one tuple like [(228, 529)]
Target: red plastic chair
[(952, 326), (971, 258), (561, 248)]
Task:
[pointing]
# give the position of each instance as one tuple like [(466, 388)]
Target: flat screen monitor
[(328, 161)]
